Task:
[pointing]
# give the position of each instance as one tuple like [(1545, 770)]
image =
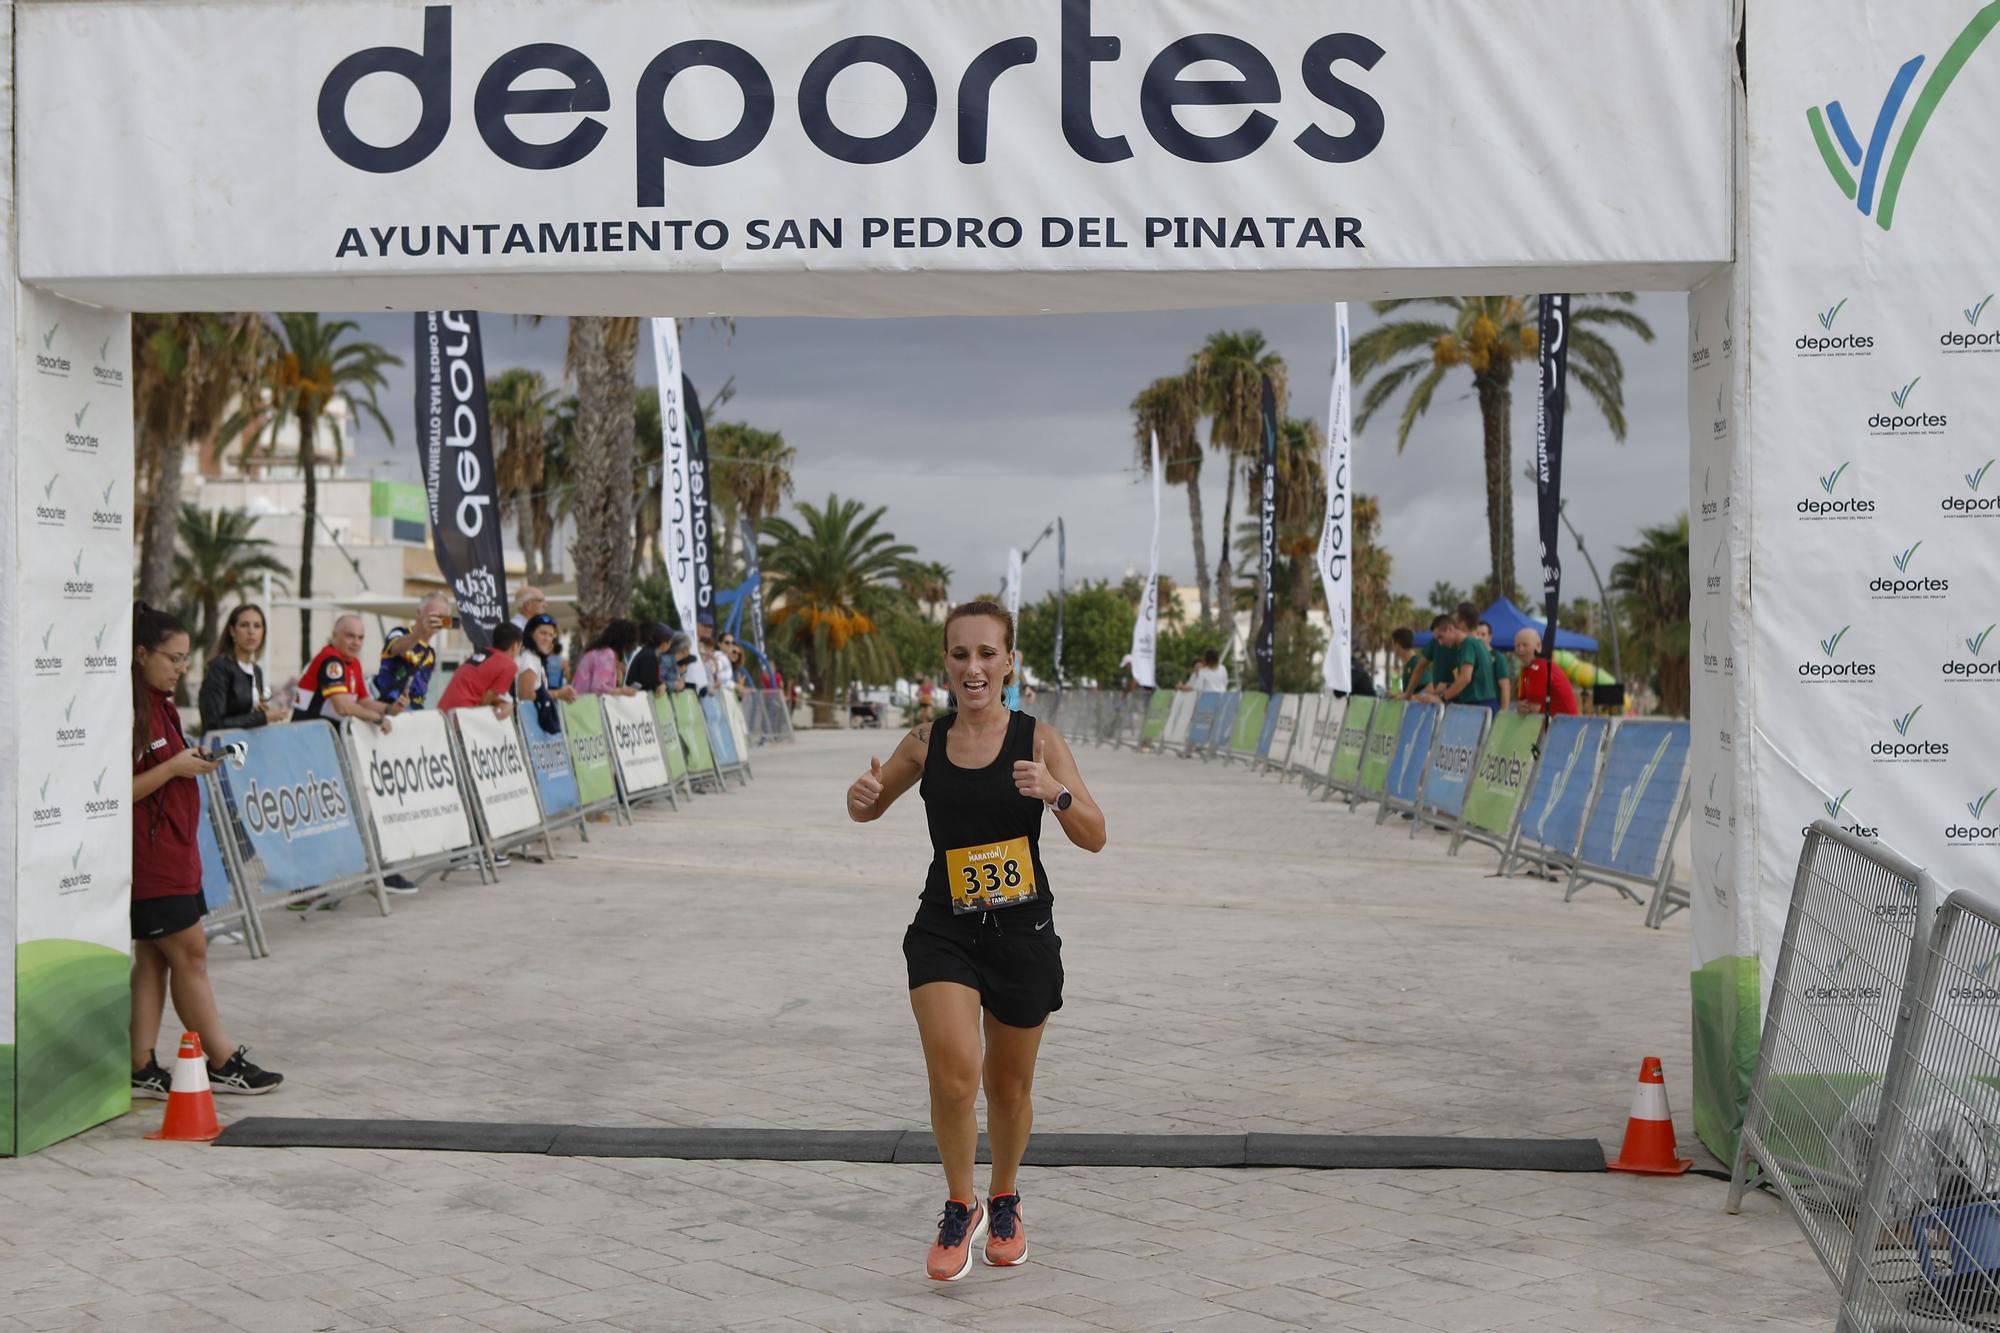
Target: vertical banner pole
[(455, 443), (1146, 629), (1553, 358), (1267, 545), (1337, 532), (700, 503), (677, 528), (1062, 593)]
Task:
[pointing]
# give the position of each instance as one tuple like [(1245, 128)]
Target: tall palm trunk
[(1496, 401), (602, 350), (309, 470), (524, 527), (163, 512), (1200, 547)]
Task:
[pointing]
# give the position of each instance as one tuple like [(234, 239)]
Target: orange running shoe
[(1006, 1242), (961, 1228)]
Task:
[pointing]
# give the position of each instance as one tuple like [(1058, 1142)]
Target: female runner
[(984, 935)]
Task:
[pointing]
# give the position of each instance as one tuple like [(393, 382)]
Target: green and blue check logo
[(1903, 560), (1902, 396), (1973, 479), (1978, 807), (1903, 723), (1827, 316), (1832, 479), (1973, 312), (1833, 806), (104, 349), (1881, 170), (1982, 970), (1828, 645), (1977, 643), (97, 783), (49, 489), (49, 338), (82, 412)]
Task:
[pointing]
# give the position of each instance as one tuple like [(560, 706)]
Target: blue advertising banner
[(1225, 718), (1463, 729), (548, 756), (1413, 747), (719, 729), (1271, 713), (1553, 816), (1634, 813), (215, 893), (1203, 721), (290, 798)]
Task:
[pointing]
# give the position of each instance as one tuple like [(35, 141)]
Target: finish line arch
[(869, 158)]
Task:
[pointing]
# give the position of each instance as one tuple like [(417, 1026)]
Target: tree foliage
[(1655, 594)]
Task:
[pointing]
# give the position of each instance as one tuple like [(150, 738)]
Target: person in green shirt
[(1416, 663), (1463, 673), (1506, 671)]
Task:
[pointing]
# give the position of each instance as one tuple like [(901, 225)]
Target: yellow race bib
[(985, 879)]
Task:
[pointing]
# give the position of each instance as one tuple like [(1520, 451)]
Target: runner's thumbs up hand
[(1032, 778), (866, 791)]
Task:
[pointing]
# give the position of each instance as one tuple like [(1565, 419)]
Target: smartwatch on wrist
[(1062, 801)]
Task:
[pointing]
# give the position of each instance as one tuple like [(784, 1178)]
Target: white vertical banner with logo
[(70, 566), (1146, 628), (1336, 537), (1012, 596), (1874, 357), (677, 516)]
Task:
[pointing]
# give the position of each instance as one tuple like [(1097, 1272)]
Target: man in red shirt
[(488, 675), (1537, 676), (332, 682)]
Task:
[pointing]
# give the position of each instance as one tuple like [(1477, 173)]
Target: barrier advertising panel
[(1280, 719), (548, 757), (1248, 727), (1383, 737), (589, 750), (1226, 709), (1180, 712), (1459, 735), (216, 894), (1494, 794), (292, 801), (1157, 708), (670, 736), (1350, 750), (719, 736), (1325, 738), (693, 729), (636, 743), (1206, 705), (732, 713), (1305, 732), (502, 780), (414, 801), (1413, 751), (1553, 816), (1638, 798)]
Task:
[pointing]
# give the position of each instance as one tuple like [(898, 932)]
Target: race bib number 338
[(983, 879)]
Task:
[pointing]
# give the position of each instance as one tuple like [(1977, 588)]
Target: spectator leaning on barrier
[(540, 679), (488, 676), (601, 669), (1457, 677), (1537, 676), (674, 662), (1209, 677), (1503, 665), (332, 680), (1413, 666), (232, 688), (403, 680), (529, 605), (169, 947), (644, 672)]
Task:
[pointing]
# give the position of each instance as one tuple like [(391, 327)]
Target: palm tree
[(1376, 613), (832, 576), (186, 370), (218, 561), (519, 404), (1488, 335), (555, 503), (309, 363), (650, 476), (1170, 408), (599, 362), (928, 583), (1228, 374), (1655, 596), (754, 469), (1301, 505)]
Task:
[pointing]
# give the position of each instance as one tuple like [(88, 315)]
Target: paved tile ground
[(1239, 959)]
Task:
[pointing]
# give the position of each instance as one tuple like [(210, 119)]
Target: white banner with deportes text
[(635, 740), (411, 781), (788, 156), (1336, 538), (497, 764)]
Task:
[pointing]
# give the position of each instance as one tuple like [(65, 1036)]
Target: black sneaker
[(152, 1081), (398, 884), (237, 1075)]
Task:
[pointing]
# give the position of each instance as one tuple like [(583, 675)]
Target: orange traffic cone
[(1649, 1131), (190, 1105)]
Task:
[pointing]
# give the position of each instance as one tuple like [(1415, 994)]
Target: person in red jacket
[(1537, 676), (169, 948), (488, 675)]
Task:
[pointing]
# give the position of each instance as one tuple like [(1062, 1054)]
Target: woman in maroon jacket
[(169, 948)]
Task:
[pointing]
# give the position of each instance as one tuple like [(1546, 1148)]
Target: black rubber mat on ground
[(1324, 1151)]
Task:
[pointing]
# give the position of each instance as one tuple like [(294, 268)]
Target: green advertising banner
[(693, 728), (589, 750), (670, 736), (1502, 777), (1249, 727), (1346, 767), (1156, 716), (1381, 746)]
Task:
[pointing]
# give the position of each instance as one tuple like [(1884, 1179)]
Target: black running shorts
[(157, 918), (1019, 977)]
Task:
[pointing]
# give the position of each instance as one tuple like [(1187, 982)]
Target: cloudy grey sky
[(974, 432)]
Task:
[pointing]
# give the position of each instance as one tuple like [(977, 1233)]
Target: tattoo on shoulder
[(922, 731)]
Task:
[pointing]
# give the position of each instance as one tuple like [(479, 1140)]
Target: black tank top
[(968, 807)]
